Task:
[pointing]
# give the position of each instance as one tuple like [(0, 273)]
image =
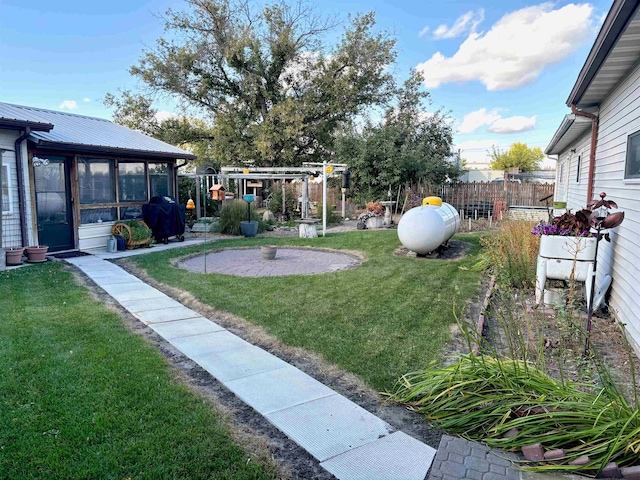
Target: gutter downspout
[(20, 174), (592, 151)]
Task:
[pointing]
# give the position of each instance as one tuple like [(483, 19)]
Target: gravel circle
[(248, 262)]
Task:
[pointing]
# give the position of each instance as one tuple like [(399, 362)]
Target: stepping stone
[(185, 328), (199, 346), (329, 426), (278, 389), (245, 361), (394, 457), (165, 315)]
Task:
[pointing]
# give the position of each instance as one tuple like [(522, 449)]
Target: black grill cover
[(164, 216)]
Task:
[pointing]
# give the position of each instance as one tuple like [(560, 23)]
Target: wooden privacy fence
[(482, 199)]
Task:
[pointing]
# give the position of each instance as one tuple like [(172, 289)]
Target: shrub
[(511, 253), (290, 200), (332, 217), (236, 212)]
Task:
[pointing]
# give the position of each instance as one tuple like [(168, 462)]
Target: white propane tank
[(423, 229)]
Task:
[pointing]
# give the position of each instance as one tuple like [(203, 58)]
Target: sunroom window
[(160, 179), (132, 182)]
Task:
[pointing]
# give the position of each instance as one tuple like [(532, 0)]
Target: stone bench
[(307, 228)]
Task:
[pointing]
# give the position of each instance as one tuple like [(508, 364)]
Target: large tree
[(518, 156), (273, 92), (408, 146)]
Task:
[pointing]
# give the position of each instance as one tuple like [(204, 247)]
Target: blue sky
[(503, 69)]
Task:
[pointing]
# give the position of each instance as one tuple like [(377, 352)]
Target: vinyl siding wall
[(619, 118)]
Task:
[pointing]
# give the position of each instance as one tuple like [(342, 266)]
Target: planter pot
[(36, 254), (14, 256), (249, 229), (375, 222), (568, 248), (268, 252)]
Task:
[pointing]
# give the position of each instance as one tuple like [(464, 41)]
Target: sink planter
[(14, 256), (36, 254), (268, 252), (568, 247)]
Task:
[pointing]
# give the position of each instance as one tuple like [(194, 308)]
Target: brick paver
[(248, 262)]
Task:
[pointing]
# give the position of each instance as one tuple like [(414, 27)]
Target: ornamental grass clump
[(235, 212), (511, 254), (484, 397)]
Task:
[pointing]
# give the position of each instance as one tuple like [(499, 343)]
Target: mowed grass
[(381, 320), (83, 397)]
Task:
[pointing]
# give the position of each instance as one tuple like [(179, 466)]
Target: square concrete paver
[(124, 292), (113, 278), (394, 457), (185, 328), (329, 426), (166, 315), (198, 346), (243, 362), (143, 304), (277, 389)]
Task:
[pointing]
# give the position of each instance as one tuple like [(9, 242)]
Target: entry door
[(53, 202)]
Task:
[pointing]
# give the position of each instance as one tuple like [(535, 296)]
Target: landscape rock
[(582, 460), (631, 473), (611, 470), (555, 454), (533, 453), (511, 433)]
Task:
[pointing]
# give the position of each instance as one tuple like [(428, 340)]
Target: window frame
[(627, 176)]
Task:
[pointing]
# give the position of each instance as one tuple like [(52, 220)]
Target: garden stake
[(592, 292), (204, 245)]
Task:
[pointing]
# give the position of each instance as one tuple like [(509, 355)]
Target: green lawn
[(385, 318), (83, 397)]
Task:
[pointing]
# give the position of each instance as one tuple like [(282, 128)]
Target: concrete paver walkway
[(347, 440)]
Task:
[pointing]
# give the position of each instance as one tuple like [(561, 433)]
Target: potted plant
[(14, 256), (371, 217), (36, 253)]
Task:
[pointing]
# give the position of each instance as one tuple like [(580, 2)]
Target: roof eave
[(567, 122), (15, 124), (614, 24), (102, 150)]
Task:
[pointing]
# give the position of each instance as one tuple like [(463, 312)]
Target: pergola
[(244, 175)]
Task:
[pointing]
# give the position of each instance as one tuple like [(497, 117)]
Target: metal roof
[(615, 52), (88, 134), (571, 129)]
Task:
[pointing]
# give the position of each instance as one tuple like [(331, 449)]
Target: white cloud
[(163, 115), (476, 151), (86, 99), (69, 105), (464, 24), (513, 124), (474, 120), (423, 32), (516, 49)]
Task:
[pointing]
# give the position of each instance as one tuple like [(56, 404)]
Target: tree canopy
[(406, 147), (272, 91), (519, 155)]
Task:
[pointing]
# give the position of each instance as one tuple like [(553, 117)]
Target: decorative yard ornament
[(190, 204)]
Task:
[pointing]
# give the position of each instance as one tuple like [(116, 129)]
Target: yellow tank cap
[(435, 201)]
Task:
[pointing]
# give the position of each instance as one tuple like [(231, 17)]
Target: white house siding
[(94, 235), (10, 221), (620, 117)]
